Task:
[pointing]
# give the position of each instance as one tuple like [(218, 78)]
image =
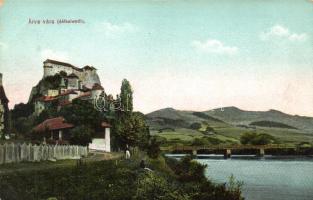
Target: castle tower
[(62, 86), (72, 82), (4, 110)]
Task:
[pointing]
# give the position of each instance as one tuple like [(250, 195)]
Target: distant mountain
[(171, 118), (237, 116)]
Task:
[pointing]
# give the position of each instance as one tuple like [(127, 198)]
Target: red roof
[(53, 124), (67, 93), (46, 98)]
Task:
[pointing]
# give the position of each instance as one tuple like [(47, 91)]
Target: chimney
[(0, 79)]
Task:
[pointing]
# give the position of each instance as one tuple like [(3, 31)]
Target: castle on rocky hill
[(87, 75), (69, 83)]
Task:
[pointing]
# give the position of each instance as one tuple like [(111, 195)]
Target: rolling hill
[(237, 116), (229, 123)]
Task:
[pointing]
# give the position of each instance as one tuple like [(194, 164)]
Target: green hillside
[(226, 125), (271, 124)]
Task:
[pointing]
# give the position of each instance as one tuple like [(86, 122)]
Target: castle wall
[(51, 69), (87, 77)]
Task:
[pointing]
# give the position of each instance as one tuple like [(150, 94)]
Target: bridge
[(227, 150)]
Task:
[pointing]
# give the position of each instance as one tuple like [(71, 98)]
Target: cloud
[(281, 32), (214, 47), (113, 30), (56, 55)]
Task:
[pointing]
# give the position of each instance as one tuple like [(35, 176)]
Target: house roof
[(87, 67), (3, 97), (45, 98), (97, 86), (72, 75), (57, 123), (67, 93), (105, 125), (62, 63)]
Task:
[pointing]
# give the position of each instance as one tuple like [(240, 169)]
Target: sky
[(189, 55)]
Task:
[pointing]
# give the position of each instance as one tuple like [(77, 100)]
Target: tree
[(131, 129), (200, 141), (21, 110), (154, 148), (23, 125), (195, 126), (82, 112), (126, 96), (246, 138), (256, 139), (81, 135)]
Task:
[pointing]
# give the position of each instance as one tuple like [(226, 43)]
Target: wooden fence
[(14, 153)]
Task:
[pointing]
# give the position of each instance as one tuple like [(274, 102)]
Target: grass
[(29, 166), (231, 134), (115, 180)]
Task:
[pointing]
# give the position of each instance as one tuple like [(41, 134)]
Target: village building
[(102, 141), (75, 83), (57, 131), (4, 110)]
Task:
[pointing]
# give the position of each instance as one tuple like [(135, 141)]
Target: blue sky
[(191, 55)]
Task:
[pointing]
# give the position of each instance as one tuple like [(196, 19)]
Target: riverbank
[(117, 179)]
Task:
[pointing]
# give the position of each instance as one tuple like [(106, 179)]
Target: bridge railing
[(223, 147)]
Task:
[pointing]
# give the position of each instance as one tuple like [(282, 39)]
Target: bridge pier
[(227, 153), (261, 152), (194, 152)]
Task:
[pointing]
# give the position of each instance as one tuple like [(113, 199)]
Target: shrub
[(154, 148), (200, 142), (188, 170), (256, 139), (195, 126), (152, 186), (81, 135)]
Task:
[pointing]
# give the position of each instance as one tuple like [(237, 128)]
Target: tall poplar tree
[(126, 96)]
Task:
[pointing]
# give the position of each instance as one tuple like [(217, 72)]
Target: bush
[(152, 186), (195, 126), (154, 148), (81, 135), (200, 142), (188, 170), (256, 139)]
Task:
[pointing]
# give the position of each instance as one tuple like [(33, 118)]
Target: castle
[(75, 83), (4, 110), (87, 75)]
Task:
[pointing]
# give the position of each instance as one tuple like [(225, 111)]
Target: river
[(269, 178)]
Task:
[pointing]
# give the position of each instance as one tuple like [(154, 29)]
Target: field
[(231, 134)]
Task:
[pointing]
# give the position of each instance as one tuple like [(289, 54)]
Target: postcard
[(156, 99)]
